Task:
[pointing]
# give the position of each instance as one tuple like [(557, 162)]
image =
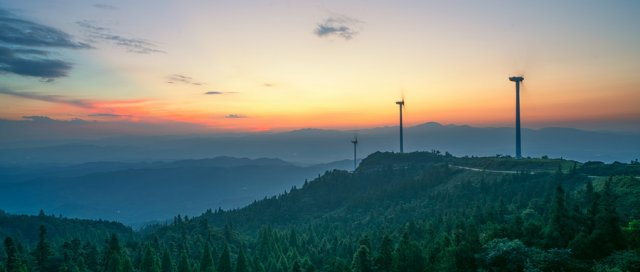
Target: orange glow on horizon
[(536, 112)]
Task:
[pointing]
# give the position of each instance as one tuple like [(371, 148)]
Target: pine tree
[(296, 267), (402, 261), (113, 255), (73, 256), (365, 241), (167, 264), (607, 232), (362, 260), (559, 230), (588, 194), (228, 232), (384, 262), (271, 265), (224, 264), (241, 262), (91, 256), (183, 264), (465, 243), (293, 238), (590, 201), (206, 263), (127, 265), (308, 266), (258, 266), (265, 246), (606, 235), (42, 251), (149, 261), (408, 256), (283, 264), (13, 263)]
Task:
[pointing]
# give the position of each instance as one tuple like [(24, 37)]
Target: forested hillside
[(422, 211)]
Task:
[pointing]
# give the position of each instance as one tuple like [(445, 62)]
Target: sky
[(278, 65)]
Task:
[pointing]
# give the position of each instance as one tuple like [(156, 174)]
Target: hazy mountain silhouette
[(316, 145), (139, 192)]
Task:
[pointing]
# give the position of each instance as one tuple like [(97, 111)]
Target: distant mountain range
[(136, 193), (310, 146)]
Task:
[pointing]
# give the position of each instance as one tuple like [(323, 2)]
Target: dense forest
[(421, 211)]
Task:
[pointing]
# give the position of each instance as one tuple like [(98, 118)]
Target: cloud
[(31, 51), (38, 118), (338, 26), (218, 93), (25, 63), (20, 32), (269, 85), (105, 6), (80, 103), (25, 48), (50, 98), (235, 116), (108, 115), (47, 119), (133, 45), (177, 78)]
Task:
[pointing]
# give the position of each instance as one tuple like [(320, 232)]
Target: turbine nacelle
[(401, 103), (516, 78)]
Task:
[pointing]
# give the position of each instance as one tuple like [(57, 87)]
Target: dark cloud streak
[(108, 115), (31, 51), (178, 78), (47, 119), (25, 63), (338, 26), (105, 6), (19, 32), (235, 116), (18, 37), (50, 98), (133, 45), (38, 118), (219, 93)]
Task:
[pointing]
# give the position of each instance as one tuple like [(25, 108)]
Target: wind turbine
[(355, 145), (401, 105), (517, 80)]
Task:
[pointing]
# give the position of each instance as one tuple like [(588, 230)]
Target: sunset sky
[(277, 65)]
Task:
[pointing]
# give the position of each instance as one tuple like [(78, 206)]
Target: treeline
[(25, 228), (616, 168)]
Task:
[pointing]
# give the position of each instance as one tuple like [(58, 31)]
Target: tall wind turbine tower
[(517, 80), (355, 145), (401, 104)]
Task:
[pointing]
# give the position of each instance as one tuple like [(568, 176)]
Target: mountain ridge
[(312, 146)]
